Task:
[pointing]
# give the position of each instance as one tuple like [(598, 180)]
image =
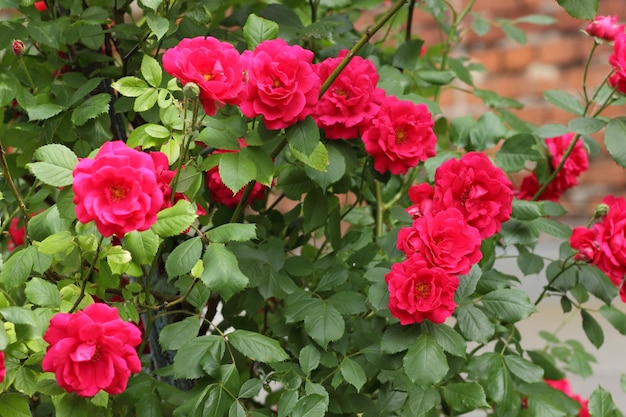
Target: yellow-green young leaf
[(42, 293), (174, 220), (318, 159), (142, 246), (221, 272), (130, 86), (425, 362), (56, 166), (146, 100), (232, 232), (57, 243), (257, 347), (14, 405), (118, 259), (151, 4), (159, 26), (197, 269), (258, 29), (4, 338), (183, 257), (151, 70)]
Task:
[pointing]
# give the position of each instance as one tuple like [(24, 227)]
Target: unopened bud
[(18, 47), (601, 210), (191, 90)]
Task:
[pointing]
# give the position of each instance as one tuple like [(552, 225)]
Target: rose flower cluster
[(469, 201), (603, 244)]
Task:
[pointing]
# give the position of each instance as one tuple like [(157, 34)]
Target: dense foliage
[(248, 208)]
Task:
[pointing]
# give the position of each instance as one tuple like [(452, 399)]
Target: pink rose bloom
[(443, 240), (421, 195), (417, 292), (351, 99), (618, 61), (40, 6), (610, 235), (574, 166), (400, 136), (221, 194), (3, 370), (283, 86), (584, 241), (164, 176), (478, 189), (118, 189), (17, 234), (564, 386), (92, 350), (605, 27), (213, 65)]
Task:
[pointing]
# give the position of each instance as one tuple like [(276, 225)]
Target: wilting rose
[(618, 61), (399, 136), (478, 189), (283, 87), (351, 99), (214, 66), (417, 292), (605, 27), (92, 350), (443, 240), (118, 189)]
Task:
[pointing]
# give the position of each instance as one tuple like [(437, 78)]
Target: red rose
[(618, 61), (351, 99), (17, 234), (417, 292), (421, 195), (40, 6), (283, 87), (478, 189), (605, 27), (213, 65), (443, 240), (576, 164), (118, 189), (92, 350), (400, 136), (584, 241), (3, 370), (564, 386), (610, 235)]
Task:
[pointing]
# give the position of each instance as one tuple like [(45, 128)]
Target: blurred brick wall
[(552, 58)]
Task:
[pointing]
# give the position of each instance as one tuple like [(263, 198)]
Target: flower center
[(97, 355), (401, 136), (207, 77), (341, 92), (422, 290), (117, 192), (277, 83)]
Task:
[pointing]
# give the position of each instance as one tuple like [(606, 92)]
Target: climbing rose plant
[(260, 209)]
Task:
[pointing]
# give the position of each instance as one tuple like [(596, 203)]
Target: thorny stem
[(83, 285), (325, 86), (14, 190)]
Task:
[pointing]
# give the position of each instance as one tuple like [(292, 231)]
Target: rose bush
[(260, 209)]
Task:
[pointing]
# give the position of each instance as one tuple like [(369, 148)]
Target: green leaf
[(202, 354), (42, 293), (232, 232), (47, 33), (565, 101), (149, 405), (309, 359), (516, 151), (57, 243), (151, 70), (614, 316), (318, 159), (312, 405), (353, 373), (553, 228), (348, 302), (448, 338), (237, 410), (159, 26), (14, 405), (334, 171), (223, 133), (551, 130), (323, 323), (263, 164), (17, 268), (93, 107), (43, 111), (257, 346), (174, 220), (130, 86), (474, 324), (464, 396), (176, 335), (537, 19), (487, 131), (586, 125), (146, 100), (407, 54), (236, 170), (304, 136), (592, 329), (143, 246), (615, 138), (527, 210), (480, 26), (221, 271), (467, 284), (315, 210), (509, 305), (56, 166), (601, 403), (258, 29), (523, 369), (580, 9), (250, 388), (436, 77), (425, 362), (19, 315), (151, 4), (513, 32), (183, 257), (8, 88)]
